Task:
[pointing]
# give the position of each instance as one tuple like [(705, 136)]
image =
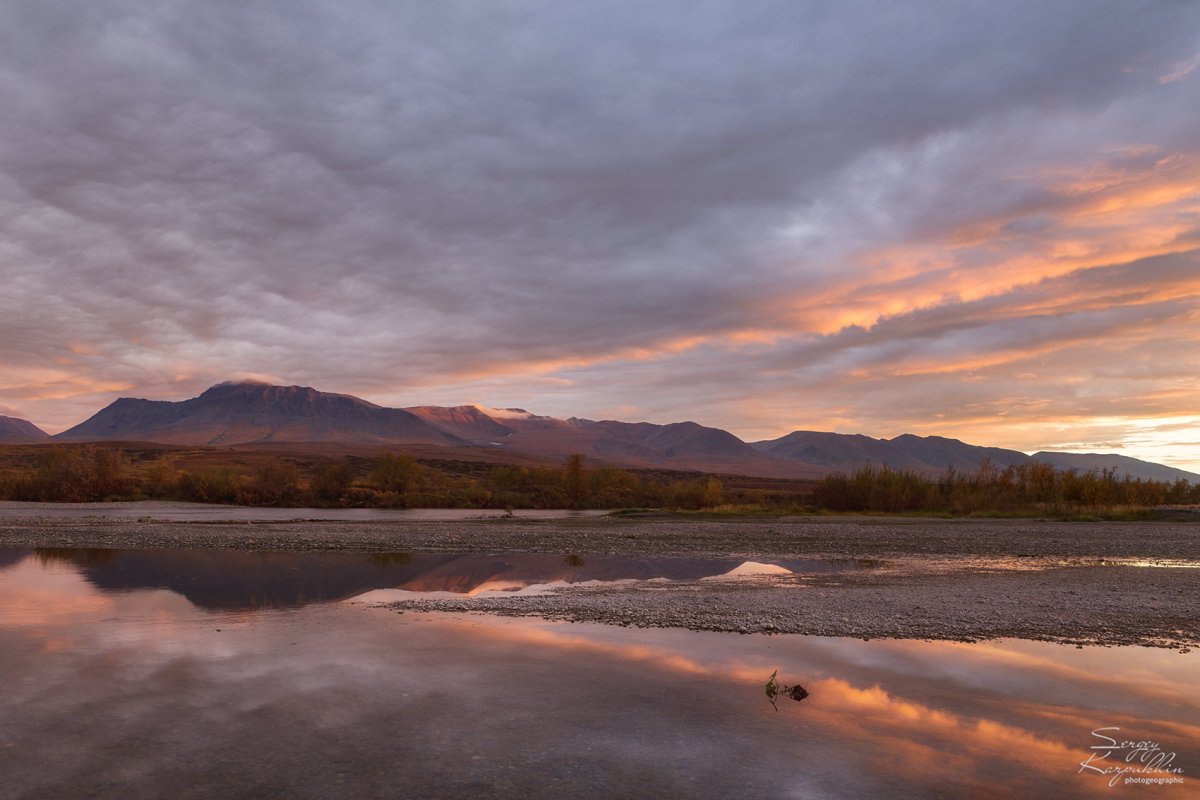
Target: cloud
[(1181, 70), (544, 202)]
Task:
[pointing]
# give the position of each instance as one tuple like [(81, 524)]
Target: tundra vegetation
[(90, 472)]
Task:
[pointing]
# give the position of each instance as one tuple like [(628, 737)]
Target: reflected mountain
[(10, 556), (231, 580)]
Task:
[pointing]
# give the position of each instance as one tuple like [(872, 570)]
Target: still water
[(241, 580), (204, 512), (138, 674)]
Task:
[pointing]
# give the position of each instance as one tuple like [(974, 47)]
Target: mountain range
[(250, 413), (841, 452)]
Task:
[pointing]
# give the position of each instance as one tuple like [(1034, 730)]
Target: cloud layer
[(970, 218)]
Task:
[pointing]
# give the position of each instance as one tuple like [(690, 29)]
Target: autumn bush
[(74, 475), (212, 485), (1023, 488)]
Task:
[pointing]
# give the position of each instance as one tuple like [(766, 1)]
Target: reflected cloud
[(1019, 696), (33, 596), (964, 718)]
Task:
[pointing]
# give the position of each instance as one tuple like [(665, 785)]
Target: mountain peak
[(246, 412)]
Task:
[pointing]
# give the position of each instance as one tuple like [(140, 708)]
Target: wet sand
[(965, 580)]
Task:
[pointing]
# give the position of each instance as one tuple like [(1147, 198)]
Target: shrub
[(210, 486), (331, 482), (275, 482)]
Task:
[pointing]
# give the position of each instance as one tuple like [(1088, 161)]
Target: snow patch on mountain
[(504, 413)]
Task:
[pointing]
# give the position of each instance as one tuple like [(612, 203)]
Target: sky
[(971, 219)]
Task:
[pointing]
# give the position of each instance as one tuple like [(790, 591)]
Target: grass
[(775, 690)]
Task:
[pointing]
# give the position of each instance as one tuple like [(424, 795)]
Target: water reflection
[(204, 512), (138, 693), (235, 579)]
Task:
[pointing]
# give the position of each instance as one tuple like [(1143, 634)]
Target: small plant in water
[(774, 689)]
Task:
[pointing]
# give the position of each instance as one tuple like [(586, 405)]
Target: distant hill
[(844, 452), (672, 440), (487, 426), (19, 431), (468, 423), (1124, 465), (940, 452), (840, 452), (678, 445), (242, 413)]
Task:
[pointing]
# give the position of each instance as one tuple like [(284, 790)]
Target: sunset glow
[(760, 218)]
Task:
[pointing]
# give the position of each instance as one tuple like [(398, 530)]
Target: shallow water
[(134, 682), (246, 580), (201, 512)]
